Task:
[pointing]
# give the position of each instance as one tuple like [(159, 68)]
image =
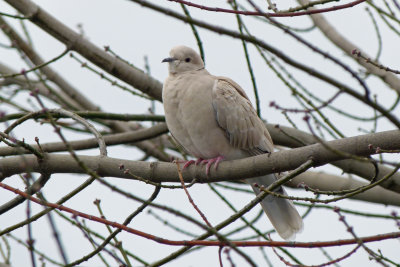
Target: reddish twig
[(190, 198), (394, 214), (30, 242), (220, 257), (257, 13), (308, 110), (350, 229), (228, 256), (222, 239), (317, 50), (287, 263), (191, 243)]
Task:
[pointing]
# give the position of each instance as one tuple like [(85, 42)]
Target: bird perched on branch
[(212, 118)]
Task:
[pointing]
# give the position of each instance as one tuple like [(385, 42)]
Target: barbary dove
[(212, 118)]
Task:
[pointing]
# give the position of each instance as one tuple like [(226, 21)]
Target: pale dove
[(212, 118)]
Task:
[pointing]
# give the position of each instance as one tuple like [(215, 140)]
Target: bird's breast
[(191, 119)]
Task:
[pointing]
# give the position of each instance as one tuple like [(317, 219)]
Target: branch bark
[(346, 46), (52, 75), (112, 139), (293, 138), (229, 170), (133, 76), (281, 135), (91, 52), (330, 182)]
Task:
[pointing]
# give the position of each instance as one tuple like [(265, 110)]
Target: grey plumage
[(211, 116)]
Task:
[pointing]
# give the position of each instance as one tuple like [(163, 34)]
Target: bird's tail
[(280, 211)]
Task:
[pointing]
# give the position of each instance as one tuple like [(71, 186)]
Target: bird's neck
[(196, 71)]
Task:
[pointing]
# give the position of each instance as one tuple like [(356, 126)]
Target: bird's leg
[(187, 163), (209, 162)]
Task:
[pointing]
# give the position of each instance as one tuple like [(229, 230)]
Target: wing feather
[(237, 117)]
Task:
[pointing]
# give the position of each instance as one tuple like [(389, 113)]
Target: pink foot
[(210, 162), (198, 161), (187, 163)]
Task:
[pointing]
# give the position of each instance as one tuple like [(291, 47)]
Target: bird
[(211, 118)]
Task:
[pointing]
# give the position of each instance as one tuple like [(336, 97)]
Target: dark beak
[(168, 59)]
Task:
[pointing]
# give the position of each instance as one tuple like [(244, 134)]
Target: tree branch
[(58, 97), (293, 138), (330, 182), (200, 242), (229, 170), (278, 14), (112, 139), (346, 46), (77, 43), (133, 76), (284, 136)]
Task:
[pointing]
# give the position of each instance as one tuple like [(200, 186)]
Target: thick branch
[(330, 182), (51, 74), (281, 135), (346, 46), (75, 40), (133, 76), (112, 139), (230, 170), (291, 137), (260, 43)]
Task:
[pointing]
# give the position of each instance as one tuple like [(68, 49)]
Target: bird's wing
[(237, 117)]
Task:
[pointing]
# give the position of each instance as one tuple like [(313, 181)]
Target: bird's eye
[(187, 59)]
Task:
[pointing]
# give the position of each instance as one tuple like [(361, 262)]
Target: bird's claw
[(210, 162), (187, 163)]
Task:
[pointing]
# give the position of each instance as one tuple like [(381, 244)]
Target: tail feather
[(280, 211)]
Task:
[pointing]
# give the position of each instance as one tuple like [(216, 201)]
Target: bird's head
[(182, 59)]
